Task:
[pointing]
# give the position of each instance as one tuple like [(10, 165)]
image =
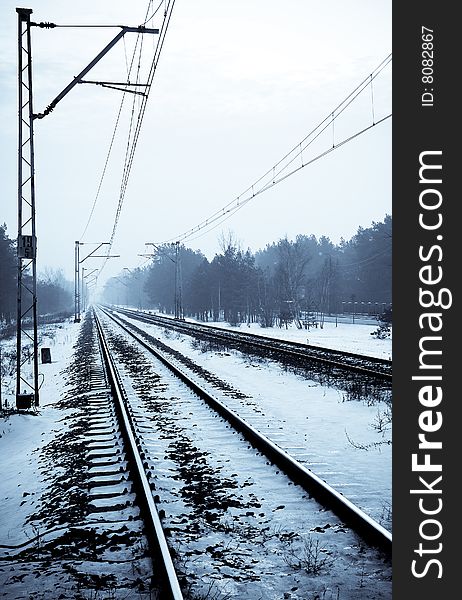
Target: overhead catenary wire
[(129, 69), (225, 215), (136, 116), (104, 169), (364, 261), (279, 172), (131, 147), (155, 12), (276, 173)]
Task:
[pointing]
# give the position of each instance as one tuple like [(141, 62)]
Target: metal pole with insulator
[(27, 239), (76, 283)]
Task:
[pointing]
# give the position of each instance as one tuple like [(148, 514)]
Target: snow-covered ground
[(312, 418), (346, 442), (340, 334), (52, 544), (349, 337), (21, 438)]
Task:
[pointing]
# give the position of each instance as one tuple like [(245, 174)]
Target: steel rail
[(292, 349), (144, 493), (371, 531)]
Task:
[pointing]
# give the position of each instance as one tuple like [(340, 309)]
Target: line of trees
[(8, 270), (54, 292), (287, 280)]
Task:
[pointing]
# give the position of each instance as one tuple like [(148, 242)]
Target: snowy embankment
[(341, 334), (22, 436), (344, 439), (59, 536), (312, 419)]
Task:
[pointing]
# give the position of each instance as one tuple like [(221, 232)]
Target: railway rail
[(294, 352), (173, 456), (269, 537), (366, 527), (170, 585)]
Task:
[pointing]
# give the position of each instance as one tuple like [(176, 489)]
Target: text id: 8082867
[(427, 76)]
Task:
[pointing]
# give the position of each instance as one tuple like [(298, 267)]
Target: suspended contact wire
[(155, 12), (129, 69), (134, 129), (276, 173), (133, 139), (104, 169)]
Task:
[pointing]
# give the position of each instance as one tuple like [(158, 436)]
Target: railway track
[(128, 359), (286, 351), (153, 527), (82, 533)]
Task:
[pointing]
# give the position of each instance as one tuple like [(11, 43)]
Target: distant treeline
[(54, 293), (287, 280)]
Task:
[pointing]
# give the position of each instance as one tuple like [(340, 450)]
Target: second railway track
[(235, 522), (295, 352)]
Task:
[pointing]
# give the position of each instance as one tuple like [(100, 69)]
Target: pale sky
[(239, 84)]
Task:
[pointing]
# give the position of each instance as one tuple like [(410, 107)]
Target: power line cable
[(129, 70), (226, 212), (132, 143), (134, 130)]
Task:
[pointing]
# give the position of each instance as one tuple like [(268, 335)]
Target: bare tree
[(290, 277)]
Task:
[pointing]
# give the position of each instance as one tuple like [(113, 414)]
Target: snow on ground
[(243, 501), (338, 334), (51, 546), (22, 435), (349, 337), (346, 442), (310, 417)]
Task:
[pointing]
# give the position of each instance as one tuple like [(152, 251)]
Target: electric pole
[(27, 237), (84, 287), (77, 263), (76, 283), (178, 283), (178, 298)]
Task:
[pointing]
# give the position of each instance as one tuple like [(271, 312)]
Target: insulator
[(45, 25)]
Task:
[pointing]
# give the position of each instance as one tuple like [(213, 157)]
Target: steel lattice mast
[(27, 239)]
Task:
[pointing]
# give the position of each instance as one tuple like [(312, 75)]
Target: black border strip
[(421, 128)]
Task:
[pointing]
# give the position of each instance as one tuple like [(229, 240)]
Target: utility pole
[(84, 287), (76, 283), (88, 288), (27, 237), (178, 298), (82, 290), (77, 264), (178, 283)]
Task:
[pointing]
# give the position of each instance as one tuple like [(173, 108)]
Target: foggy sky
[(239, 84)]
